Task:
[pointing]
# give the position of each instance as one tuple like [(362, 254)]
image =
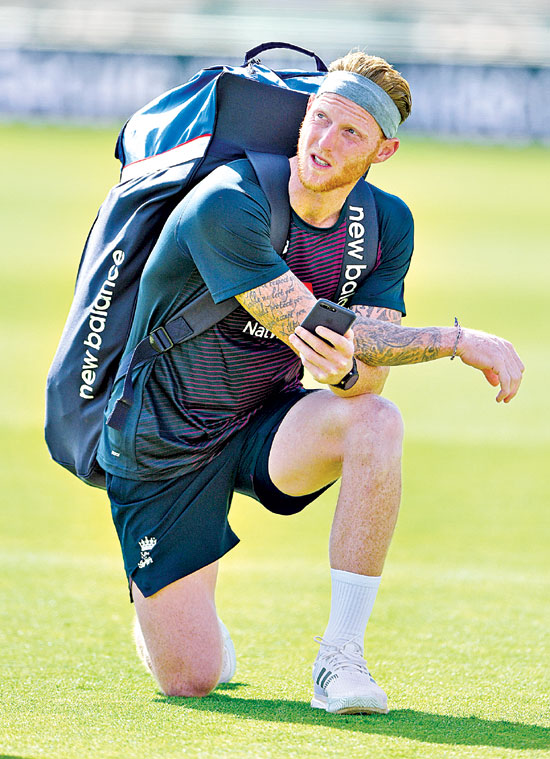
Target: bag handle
[(321, 65)]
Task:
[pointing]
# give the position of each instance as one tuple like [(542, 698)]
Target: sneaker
[(229, 660), (141, 648), (342, 684)]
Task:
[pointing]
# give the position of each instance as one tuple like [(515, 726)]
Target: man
[(226, 411)]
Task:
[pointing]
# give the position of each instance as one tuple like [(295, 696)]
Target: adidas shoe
[(229, 660), (342, 684)]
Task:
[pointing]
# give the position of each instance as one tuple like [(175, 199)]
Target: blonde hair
[(381, 73)]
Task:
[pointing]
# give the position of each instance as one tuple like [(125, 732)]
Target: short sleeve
[(224, 226), (384, 287)]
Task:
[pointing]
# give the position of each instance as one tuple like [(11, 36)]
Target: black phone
[(327, 314)]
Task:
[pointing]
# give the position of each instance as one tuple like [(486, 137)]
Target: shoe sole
[(356, 705)]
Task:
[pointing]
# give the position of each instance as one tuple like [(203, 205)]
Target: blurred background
[(477, 69)]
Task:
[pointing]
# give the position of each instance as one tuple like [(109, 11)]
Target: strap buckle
[(160, 340)]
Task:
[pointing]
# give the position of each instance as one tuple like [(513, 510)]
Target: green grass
[(459, 635)]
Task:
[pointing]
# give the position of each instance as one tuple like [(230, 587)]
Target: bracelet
[(458, 334)]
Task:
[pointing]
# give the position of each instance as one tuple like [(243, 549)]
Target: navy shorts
[(171, 528)]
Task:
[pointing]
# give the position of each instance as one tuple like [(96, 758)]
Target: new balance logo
[(97, 321), (355, 247)]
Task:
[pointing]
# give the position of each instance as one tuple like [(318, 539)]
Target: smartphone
[(327, 314)]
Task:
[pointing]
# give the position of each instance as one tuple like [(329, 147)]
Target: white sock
[(352, 601)]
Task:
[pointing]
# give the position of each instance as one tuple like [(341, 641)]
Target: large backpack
[(222, 114)]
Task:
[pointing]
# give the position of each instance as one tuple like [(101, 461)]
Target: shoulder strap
[(362, 241), (273, 172)]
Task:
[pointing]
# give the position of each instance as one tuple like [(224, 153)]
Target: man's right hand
[(495, 357)]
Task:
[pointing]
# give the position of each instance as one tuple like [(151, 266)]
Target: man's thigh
[(306, 454)]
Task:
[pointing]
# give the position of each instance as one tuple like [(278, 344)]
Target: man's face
[(338, 142)]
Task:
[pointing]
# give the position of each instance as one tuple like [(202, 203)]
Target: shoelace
[(347, 656)]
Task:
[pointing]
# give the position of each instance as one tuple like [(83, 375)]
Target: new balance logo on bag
[(97, 323)]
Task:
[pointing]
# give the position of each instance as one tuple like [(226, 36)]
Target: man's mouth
[(319, 161)]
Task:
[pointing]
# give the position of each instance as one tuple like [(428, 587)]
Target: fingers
[(491, 377), (326, 342), (515, 371), (328, 356), (496, 358), (511, 373), (324, 336), (505, 387)]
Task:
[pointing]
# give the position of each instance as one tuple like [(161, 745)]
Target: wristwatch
[(348, 380)]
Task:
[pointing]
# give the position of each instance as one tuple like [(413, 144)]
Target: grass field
[(459, 636)]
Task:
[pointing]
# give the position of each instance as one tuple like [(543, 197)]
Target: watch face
[(350, 379), (350, 382)]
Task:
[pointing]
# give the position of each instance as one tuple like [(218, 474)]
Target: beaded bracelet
[(458, 334)]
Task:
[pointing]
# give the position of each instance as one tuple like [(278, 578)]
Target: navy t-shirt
[(190, 400)]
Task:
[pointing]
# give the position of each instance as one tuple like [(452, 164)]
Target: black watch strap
[(348, 380)]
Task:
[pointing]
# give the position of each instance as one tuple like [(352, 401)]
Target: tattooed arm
[(371, 378), (279, 305), (282, 304)]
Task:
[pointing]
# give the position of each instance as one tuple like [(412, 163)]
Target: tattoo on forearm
[(279, 305), (382, 314), (282, 304), (383, 344)]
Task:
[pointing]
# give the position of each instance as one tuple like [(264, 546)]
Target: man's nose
[(327, 138)]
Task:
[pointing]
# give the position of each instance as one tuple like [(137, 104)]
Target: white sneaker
[(229, 660), (342, 684), (141, 648)]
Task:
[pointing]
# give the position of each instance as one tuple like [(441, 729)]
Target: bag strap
[(362, 248), (251, 54), (192, 320), (273, 172)]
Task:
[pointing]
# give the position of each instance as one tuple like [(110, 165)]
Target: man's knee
[(171, 674), (383, 415), (373, 420), (194, 685), (178, 634)]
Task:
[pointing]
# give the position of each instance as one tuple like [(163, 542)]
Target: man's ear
[(386, 150), (310, 100)]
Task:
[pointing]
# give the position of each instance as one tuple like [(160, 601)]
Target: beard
[(350, 172)]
